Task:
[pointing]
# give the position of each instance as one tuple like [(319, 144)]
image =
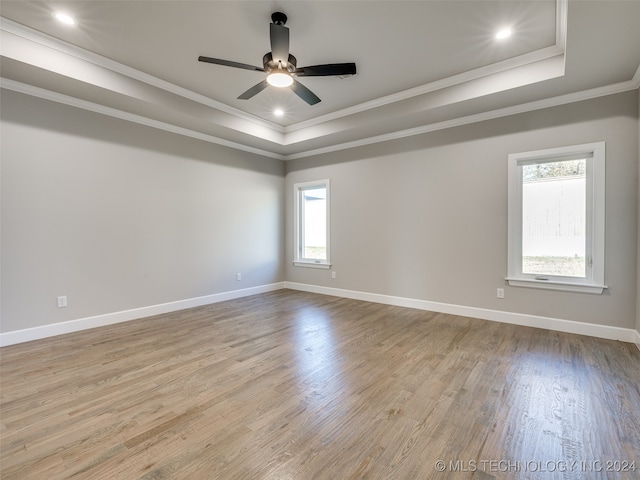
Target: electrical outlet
[(62, 301), (333, 274), (238, 277), (501, 293)]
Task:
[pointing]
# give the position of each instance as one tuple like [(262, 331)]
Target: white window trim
[(298, 261), (594, 281)]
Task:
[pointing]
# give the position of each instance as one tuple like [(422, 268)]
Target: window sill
[(298, 263), (559, 286)]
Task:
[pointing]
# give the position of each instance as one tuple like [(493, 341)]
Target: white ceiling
[(422, 65)]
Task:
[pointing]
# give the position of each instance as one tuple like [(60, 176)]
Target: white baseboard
[(44, 331), (568, 326)]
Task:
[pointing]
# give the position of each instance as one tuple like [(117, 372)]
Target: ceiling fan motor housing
[(270, 64), (278, 18)]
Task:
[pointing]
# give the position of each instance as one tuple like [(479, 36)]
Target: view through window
[(554, 218), (557, 218), (314, 232), (312, 224)]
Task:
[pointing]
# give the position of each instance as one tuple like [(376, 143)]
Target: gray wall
[(117, 215), (638, 239), (426, 217)]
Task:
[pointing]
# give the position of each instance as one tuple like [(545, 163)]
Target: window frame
[(299, 259), (593, 282)]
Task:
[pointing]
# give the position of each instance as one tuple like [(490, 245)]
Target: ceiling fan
[(281, 67)]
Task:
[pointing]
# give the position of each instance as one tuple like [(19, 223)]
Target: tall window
[(312, 224), (556, 218)]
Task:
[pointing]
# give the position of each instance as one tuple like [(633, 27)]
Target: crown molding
[(621, 87), (528, 58), (80, 53), (636, 78), (562, 8), (468, 76), (131, 117), (479, 117), (554, 53), (478, 73)]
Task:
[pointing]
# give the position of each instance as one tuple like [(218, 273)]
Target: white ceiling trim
[(523, 75), (300, 132), (80, 53), (96, 59), (621, 87), (37, 49), (532, 57), (562, 8), (468, 76), (131, 117), (636, 77), (42, 56)]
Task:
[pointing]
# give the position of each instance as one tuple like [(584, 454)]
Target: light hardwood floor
[(292, 385)]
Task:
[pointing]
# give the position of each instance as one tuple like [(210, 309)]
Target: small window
[(312, 224), (556, 218)]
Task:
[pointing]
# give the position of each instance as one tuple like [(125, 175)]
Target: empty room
[(320, 239)]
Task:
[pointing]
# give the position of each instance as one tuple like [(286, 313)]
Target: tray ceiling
[(422, 65)]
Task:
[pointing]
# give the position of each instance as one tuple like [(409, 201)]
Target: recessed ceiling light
[(64, 18), (504, 33), (278, 112)]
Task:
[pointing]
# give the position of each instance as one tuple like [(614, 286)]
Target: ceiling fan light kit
[(280, 79), (281, 67)]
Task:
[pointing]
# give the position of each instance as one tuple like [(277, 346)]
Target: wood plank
[(297, 385)]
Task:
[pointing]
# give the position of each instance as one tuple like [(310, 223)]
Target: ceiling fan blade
[(326, 70), (254, 90), (228, 63), (279, 35), (304, 93)]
